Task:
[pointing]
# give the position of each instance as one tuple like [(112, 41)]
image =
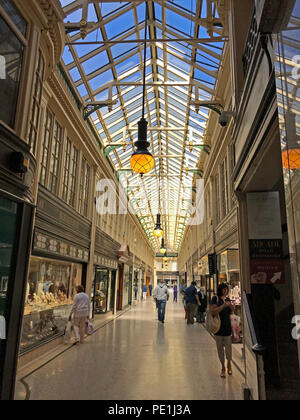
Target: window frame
[(70, 173), (84, 188), (51, 160), (24, 42), (35, 107)]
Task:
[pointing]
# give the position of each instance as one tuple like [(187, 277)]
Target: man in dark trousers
[(192, 302), (150, 289), (161, 296)]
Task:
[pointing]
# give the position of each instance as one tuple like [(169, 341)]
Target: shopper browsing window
[(221, 305), (192, 302), (81, 311)]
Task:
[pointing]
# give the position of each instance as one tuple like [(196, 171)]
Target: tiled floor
[(137, 358)]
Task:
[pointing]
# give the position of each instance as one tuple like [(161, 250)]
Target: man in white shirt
[(161, 295), (81, 311)]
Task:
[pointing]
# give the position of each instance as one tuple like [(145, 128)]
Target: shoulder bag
[(213, 322)]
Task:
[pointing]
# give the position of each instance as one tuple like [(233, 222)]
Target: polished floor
[(135, 357)]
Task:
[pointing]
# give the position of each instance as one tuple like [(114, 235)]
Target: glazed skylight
[(177, 73)]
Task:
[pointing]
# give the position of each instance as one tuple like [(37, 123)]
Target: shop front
[(287, 59), (229, 272), (49, 298), (208, 277), (17, 171), (104, 285), (15, 238), (125, 288)]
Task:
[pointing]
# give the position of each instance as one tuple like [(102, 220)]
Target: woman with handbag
[(221, 305)]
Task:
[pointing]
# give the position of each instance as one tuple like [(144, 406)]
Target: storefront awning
[(124, 254)]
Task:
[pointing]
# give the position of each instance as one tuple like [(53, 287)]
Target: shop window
[(11, 58), (8, 226), (36, 103), (50, 294), (100, 296), (69, 182), (126, 286)]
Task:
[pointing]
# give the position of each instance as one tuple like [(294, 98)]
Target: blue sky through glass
[(94, 67)]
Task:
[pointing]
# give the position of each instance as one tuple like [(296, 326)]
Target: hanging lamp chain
[(145, 59)]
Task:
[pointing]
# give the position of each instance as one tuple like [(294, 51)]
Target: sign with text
[(265, 238), (264, 220), (212, 263), (265, 248), (267, 271)]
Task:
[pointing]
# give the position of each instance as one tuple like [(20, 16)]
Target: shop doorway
[(113, 289), (130, 286), (271, 296), (15, 242), (100, 288)]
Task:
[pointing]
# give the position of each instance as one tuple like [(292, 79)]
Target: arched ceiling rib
[(109, 56)]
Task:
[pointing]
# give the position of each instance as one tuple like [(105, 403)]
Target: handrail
[(257, 348)]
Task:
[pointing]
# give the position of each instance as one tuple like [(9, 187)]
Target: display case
[(100, 290), (50, 294)]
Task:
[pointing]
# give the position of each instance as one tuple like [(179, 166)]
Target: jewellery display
[(49, 299)]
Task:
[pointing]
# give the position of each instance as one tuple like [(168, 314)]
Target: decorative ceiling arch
[(104, 59)]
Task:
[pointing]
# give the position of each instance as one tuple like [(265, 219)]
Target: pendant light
[(291, 153), (158, 230), (163, 249), (142, 160)]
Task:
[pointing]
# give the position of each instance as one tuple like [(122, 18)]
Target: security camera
[(225, 117)]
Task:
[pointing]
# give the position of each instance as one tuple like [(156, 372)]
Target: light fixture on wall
[(291, 153), (142, 160)]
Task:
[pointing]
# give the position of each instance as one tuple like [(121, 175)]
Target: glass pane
[(11, 53), (8, 217), (50, 295), (15, 16), (101, 289)]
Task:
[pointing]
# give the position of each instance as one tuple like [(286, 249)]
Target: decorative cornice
[(55, 28)]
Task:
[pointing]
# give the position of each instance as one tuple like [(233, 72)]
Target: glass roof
[(104, 57)]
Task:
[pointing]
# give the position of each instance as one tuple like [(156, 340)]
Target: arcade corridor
[(145, 142), (137, 358)]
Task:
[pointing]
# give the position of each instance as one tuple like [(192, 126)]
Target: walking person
[(161, 295), (175, 292), (145, 291), (136, 289), (81, 312), (203, 305), (192, 302), (221, 305), (150, 289)]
